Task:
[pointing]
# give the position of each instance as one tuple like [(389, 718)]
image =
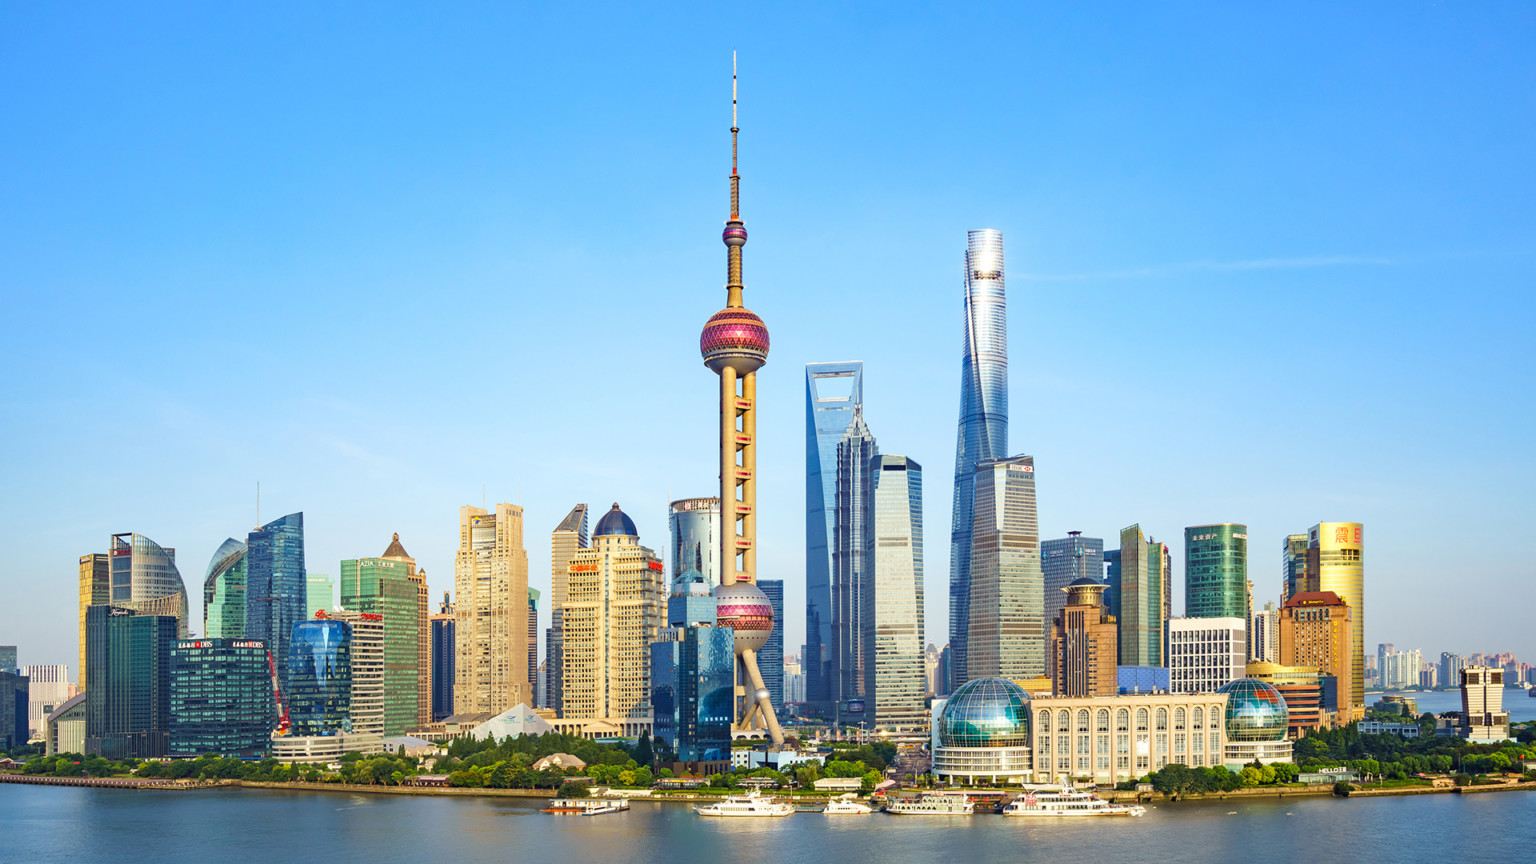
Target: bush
[(1342, 789), (1463, 779), (574, 790)]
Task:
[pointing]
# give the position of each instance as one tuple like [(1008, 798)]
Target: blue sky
[(1267, 264)]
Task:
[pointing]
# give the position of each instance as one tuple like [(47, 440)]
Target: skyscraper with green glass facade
[(319, 593), (1216, 571), (1138, 585), (224, 592), (384, 586)]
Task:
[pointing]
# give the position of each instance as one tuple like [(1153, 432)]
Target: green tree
[(644, 754), (502, 776), (574, 790)]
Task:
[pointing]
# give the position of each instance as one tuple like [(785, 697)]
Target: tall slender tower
[(735, 345), (983, 432)]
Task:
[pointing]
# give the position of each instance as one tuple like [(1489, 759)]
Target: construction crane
[(277, 696)]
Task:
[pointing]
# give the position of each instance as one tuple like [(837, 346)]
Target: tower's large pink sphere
[(734, 338), (744, 607)]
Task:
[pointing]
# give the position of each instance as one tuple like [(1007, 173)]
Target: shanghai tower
[(983, 432), (735, 345)]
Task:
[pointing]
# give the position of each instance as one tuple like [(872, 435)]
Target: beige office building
[(1006, 637), (1336, 555), (367, 657), (612, 612), (1316, 633), (568, 537), (490, 612), (1110, 739)]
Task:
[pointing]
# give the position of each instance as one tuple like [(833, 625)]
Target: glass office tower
[(692, 678), (695, 531), (221, 698), (383, 586), (224, 592), (128, 708), (833, 392), (144, 578), (1296, 578), (1064, 561), (771, 661), (1139, 593), (276, 596), (983, 430), (1216, 571), (850, 525), (442, 661), (1007, 590), (319, 593), (895, 672), (320, 678)]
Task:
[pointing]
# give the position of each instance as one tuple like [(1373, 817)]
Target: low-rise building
[(66, 727), (1311, 698), (1378, 727)]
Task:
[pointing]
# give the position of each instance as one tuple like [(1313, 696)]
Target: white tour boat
[(932, 804), (1066, 801), (751, 804), (587, 806), (846, 806)]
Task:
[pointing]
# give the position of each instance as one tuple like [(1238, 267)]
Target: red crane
[(277, 696)]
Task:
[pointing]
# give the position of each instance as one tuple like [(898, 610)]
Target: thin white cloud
[(1192, 266)]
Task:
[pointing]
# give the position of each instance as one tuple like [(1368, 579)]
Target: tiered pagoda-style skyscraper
[(735, 345)]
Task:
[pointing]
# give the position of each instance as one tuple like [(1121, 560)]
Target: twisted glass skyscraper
[(983, 432)]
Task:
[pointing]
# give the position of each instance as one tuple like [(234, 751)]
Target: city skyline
[(1190, 297)]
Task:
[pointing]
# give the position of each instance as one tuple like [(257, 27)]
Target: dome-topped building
[(1256, 723), (982, 733), (615, 521)]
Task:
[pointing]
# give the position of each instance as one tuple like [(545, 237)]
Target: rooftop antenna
[(258, 503)]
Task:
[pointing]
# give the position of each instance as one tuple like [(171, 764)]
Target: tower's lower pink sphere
[(744, 607)]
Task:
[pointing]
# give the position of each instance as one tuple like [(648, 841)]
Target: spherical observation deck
[(736, 339)]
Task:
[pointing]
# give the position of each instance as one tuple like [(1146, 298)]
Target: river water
[(253, 826)]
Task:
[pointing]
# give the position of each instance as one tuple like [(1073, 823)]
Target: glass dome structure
[(1255, 711), (986, 712)]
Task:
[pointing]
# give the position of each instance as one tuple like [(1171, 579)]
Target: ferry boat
[(1066, 801), (587, 806), (932, 804), (749, 805), (846, 806)]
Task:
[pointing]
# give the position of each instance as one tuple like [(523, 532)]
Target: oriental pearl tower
[(735, 345)]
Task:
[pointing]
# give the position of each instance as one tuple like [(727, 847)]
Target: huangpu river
[(253, 826)]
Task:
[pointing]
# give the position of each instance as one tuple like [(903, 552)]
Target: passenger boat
[(1066, 801), (846, 806), (932, 804), (587, 806), (750, 804)]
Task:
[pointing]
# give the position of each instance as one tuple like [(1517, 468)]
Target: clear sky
[(1267, 263)]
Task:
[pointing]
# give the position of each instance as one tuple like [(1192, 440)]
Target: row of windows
[(1122, 719)]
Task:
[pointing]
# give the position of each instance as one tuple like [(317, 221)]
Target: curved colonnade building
[(991, 731)]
